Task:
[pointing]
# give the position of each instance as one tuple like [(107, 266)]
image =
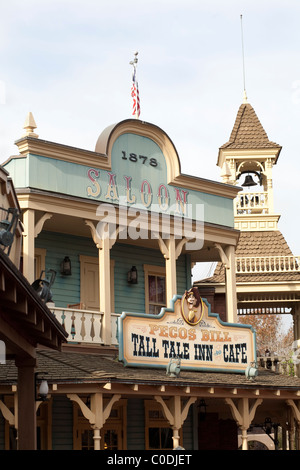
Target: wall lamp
[(132, 276), (41, 394), (202, 409), (66, 267)]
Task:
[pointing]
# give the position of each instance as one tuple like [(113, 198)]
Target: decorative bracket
[(223, 256)]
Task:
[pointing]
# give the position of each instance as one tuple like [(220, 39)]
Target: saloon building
[(109, 241)]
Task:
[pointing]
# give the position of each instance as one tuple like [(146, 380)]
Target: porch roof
[(74, 368), (25, 321)]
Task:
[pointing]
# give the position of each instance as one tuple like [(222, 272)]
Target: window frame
[(152, 270)]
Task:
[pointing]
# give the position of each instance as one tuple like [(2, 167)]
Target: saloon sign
[(188, 331)]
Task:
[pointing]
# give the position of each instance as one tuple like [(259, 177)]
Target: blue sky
[(67, 61)]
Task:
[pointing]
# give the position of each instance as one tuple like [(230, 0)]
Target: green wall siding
[(135, 424), (62, 423), (66, 289)]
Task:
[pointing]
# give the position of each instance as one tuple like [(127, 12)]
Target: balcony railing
[(252, 203), (279, 364), (85, 326), (267, 264)]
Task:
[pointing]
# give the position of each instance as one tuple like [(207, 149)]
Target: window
[(158, 431), (155, 289), (113, 433)]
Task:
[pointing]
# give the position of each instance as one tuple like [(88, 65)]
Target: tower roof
[(247, 132)]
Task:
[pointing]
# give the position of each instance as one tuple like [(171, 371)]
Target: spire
[(29, 126), (245, 100), (247, 132)]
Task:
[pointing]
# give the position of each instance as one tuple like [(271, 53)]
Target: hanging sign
[(188, 332)]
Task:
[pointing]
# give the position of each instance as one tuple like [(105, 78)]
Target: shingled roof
[(81, 369), (247, 132)]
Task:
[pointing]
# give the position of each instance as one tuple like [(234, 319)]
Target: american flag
[(136, 109)]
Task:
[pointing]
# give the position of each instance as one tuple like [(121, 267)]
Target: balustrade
[(84, 326), (279, 364), (248, 203), (267, 264)]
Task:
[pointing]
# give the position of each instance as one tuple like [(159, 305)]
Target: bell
[(249, 181)]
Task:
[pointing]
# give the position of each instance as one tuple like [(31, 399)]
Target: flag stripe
[(136, 108)]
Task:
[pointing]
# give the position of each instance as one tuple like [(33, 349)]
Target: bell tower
[(247, 160)]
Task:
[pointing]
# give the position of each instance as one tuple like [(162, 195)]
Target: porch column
[(227, 256), (295, 408), (104, 239), (171, 251), (231, 297), (97, 414), (171, 281), (175, 414), (105, 288), (28, 244), (243, 415), (26, 417)]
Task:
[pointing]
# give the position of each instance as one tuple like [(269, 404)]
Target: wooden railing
[(249, 203), (267, 264), (85, 326)]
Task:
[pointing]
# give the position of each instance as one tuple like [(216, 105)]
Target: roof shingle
[(247, 132)]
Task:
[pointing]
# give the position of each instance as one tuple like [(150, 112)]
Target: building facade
[(114, 233)]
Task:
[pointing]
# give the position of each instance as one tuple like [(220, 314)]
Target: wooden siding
[(188, 430), (62, 424), (66, 289), (136, 424)]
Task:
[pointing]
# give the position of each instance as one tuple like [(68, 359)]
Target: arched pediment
[(137, 128)]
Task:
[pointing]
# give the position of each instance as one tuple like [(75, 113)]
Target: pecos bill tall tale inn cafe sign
[(188, 331)]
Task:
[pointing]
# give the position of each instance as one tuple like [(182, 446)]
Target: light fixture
[(202, 410), (251, 371), (65, 266), (8, 227), (43, 286), (132, 276), (173, 368), (41, 394)]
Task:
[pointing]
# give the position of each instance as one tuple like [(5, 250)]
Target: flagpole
[(134, 89)]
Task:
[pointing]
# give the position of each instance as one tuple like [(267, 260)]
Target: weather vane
[(134, 61)]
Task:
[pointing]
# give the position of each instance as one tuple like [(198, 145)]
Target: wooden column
[(105, 288), (26, 404), (227, 256), (104, 238), (243, 414), (171, 251), (176, 414), (97, 414), (28, 245)]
